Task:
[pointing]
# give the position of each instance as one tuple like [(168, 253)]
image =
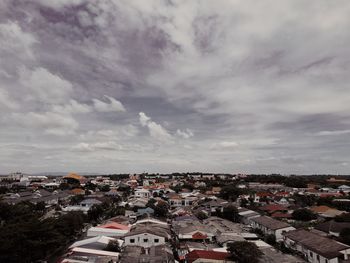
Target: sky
[(115, 86)]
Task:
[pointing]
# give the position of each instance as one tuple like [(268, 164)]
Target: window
[(311, 255), (132, 240), (156, 240), (318, 257), (145, 240)]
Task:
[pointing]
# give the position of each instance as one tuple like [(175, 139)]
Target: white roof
[(95, 252), (248, 235), (260, 243), (108, 230), (98, 239), (150, 220)]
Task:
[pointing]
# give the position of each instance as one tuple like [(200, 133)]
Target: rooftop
[(324, 246)]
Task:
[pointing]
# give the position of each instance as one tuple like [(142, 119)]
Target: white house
[(143, 193), (316, 248), (147, 236), (270, 226)]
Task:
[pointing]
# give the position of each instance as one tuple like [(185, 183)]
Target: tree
[(230, 212), (345, 236), (95, 212), (270, 239), (244, 252), (113, 246), (201, 215), (76, 199), (161, 209), (303, 214), (105, 188), (230, 192), (343, 217)]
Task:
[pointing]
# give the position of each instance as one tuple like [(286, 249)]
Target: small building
[(270, 226), (200, 256), (147, 235), (316, 248), (111, 229)]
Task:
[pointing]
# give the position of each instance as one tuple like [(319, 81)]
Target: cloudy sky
[(162, 86)]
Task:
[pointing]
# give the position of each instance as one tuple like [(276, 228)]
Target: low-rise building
[(270, 226), (316, 248)]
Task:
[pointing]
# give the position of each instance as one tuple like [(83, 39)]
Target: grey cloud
[(234, 86)]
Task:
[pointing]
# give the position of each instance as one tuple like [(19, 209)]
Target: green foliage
[(230, 212), (270, 239), (201, 215), (343, 217), (345, 236), (161, 209), (25, 238), (113, 246), (230, 192), (95, 213), (105, 188), (244, 252), (303, 215), (76, 199)]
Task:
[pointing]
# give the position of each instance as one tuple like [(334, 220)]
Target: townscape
[(179, 217)]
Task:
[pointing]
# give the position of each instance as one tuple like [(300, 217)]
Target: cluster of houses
[(193, 229)]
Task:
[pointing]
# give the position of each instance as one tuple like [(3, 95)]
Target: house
[(215, 204), (316, 248), (192, 231), (155, 254), (332, 227), (138, 202), (326, 211), (92, 250), (200, 256), (176, 200), (143, 211), (344, 188), (147, 235), (143, 193), (111, 229), (272, 208), (184, 247), (270, 226), (281, 200), (246, 215)]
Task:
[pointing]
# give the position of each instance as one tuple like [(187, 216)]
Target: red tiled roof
[(282, 194), (281, 215), (113, 225), (273, 207), (264, 194), (205, 254)]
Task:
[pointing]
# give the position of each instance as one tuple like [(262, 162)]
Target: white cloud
[(16, 42), (332, 133), (45, 86), (91, 147), (144, 119), (72, 107), (155, 130), (225, 145), (52, 123), (6, 101), (113, 105), (186, 134)]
